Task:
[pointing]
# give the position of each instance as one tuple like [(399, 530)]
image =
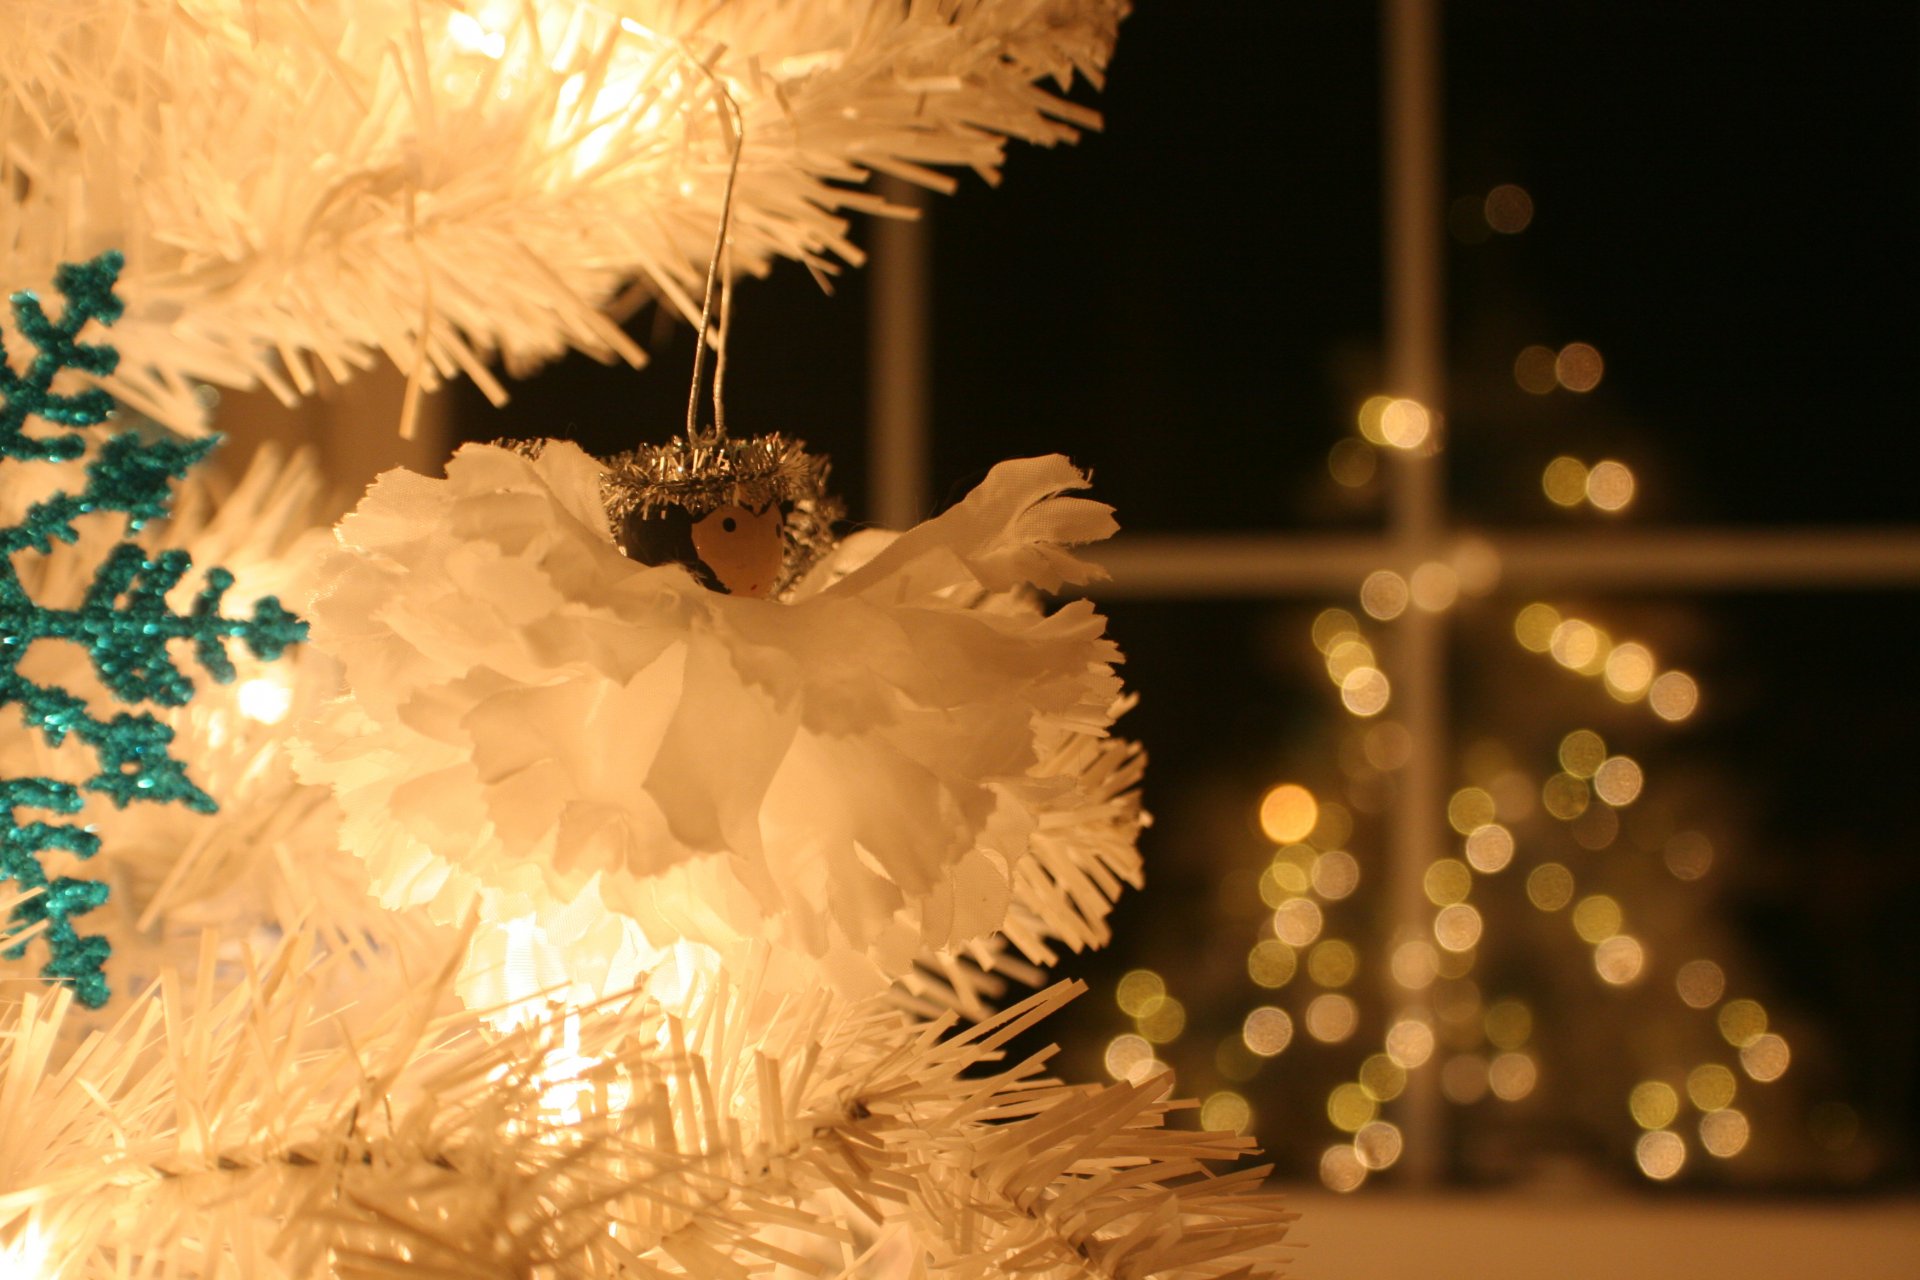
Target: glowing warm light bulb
[(1341, 1169), (1534, 627), (466, 34), (1457, 928), (1509, 209), (1365, 691), (1139, 992), (1660, 1154), (1512, 1076), (1125, 1054), (1673, 695), (1331, 1018), (1609, 486), (1435, 586), (1490, 848), (1565, 481), (1384, 594), (1226, 1111), (26, 1256), (1406, 424), (1288, 812), (1578, 367), (264, 699), (1378, 1144), (1410, 1043), (1267, 1030), (1533, 370), (1370, 417), (1349, 1107)]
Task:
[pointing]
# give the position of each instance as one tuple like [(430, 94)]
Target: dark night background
[(1190, 305)]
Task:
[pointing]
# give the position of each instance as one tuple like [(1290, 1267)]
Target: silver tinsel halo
[(707, 470)]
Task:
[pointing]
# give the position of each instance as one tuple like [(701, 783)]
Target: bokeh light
[(1331, 625), (1700, 983), (1271, 963), (1582, 752), (1578, 367), (1341, 1169), (1534, 626), (1673, 695), (1508, 209), (1742, 1022), (1332, 963), (1463, 1080), (1597, 918), (1378, 1144), (1139, 992), (1688, 855), (1331, 1019), (1490, 848), (1654, 1104), (1267, 1030), (1368, 419), (1410, 1043), (1469, 809), (1165, 1023), (1509, 1023), (1610, 485), (1765, 1057), (1577, 645), (1388, 746), (1349, 1107), (1336, 874), (1384, 595), (1405, 424), (1565, 481), (1711, 1086), (1660, 1154), (1550, 886), (1125, 1054), (1457, 928), (1619, 960), (1565, 796), (1533, 369), (1435, 586), (1382, 1077), (1618, 781), (1724, 1133), (1447, 881), (1512, 1076), (1297, 922), (1365, 691), (1415, 964), (1629, 671), (1226, 1111), (1288, 812)]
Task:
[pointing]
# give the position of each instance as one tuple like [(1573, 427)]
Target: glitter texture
[(123, 622)]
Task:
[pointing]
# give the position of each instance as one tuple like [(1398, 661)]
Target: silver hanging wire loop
[(722, 252)]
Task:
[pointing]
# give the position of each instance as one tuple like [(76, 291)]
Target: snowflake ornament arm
[(124, 622)]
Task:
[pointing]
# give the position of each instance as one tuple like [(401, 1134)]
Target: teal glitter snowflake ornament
[(124, 622)]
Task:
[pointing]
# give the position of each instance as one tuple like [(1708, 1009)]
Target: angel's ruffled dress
[(613, 767)]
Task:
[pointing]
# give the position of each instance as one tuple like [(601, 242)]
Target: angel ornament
[(648, 720)]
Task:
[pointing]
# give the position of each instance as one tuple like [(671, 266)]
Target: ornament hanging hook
[(720, 258)]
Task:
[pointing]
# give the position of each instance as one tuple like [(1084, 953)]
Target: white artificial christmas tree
[(566, 912)]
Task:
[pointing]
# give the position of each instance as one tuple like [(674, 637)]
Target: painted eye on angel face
[(741, 547)]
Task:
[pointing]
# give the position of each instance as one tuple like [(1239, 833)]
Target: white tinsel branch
[(301, 184), (248, 1134)]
